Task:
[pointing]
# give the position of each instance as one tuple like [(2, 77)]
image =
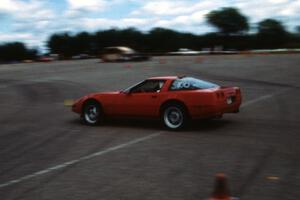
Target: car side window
[(189, 83), (148, 86)]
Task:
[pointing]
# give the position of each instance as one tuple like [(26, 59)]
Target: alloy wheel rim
[(173, 117), (91, 114)]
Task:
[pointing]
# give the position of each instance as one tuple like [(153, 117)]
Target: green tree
[(81, 43), (271, 34), (130, 37), (271, 27), (298, 30), (62, 44), (163, 40), (228, 21), (16, 51)]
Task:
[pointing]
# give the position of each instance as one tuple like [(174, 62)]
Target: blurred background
[(45, 30)]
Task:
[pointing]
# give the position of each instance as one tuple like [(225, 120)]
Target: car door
[(142, 100)]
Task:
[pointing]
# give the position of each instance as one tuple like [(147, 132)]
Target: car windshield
[(189, 83), (146, 86)]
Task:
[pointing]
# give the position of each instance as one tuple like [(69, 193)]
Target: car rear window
[(189, 83)]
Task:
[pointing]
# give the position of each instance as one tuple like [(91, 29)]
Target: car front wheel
[(92, 113), (174, 117)]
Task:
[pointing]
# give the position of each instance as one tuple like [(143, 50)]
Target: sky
[(33, 21)]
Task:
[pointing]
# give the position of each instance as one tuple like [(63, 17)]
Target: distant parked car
[(27, 61), (122, 54), (81, 56), (45, 59), (184, 51), (172, 99)]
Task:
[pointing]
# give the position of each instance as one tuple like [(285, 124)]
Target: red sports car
[(172, 99)]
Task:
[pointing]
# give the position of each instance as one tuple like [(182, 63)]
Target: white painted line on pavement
[(72, 162), (99, 153), (261, 98)]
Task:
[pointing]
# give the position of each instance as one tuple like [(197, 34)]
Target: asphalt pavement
[(46, 153)]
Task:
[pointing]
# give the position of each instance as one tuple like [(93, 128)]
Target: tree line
[(233, 32), (16, 51)]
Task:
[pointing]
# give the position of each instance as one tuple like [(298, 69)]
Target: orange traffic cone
[(221, 190)]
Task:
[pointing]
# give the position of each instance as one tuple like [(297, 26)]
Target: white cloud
[(32, 21), (103, 23), (26, 10), (13, 37), (87, 4), (277, 1), (259, 10), (29, 21), (163, 8), (292, 9), (30, 39), (82, 7), (181, 23), (179, 7), (256, 9), (9, 5)]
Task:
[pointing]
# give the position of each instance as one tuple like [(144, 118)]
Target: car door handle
[(154, 96)]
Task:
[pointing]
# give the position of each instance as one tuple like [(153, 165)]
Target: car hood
[(102, 93)]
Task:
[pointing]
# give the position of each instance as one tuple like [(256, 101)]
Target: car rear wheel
[(92, 113), (174, 117)]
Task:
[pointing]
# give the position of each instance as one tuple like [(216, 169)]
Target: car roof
[(163, 78)]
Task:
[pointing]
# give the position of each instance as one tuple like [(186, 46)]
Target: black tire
[(92, 113), (174, 116)]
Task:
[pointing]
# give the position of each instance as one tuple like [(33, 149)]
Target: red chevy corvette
[(173, 99)]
